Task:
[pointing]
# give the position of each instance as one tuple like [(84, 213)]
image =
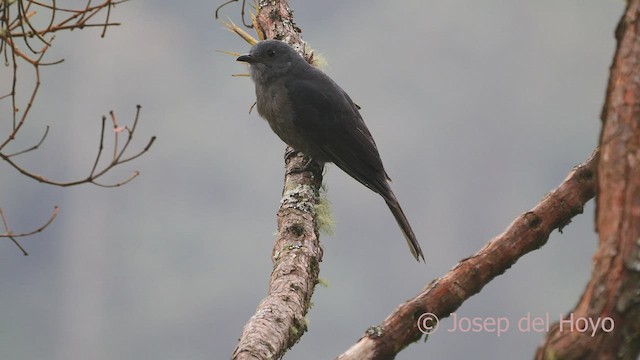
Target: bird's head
[(269, 59)]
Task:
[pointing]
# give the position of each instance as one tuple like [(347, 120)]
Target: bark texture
[(443, 296), (279, 320), (614, 289)]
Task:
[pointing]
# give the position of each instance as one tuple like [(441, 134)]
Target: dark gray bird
[(312, 114)]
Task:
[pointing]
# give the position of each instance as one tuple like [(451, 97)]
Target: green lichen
[(323, 282), (298, 197), (326, 224), (298, 328), (374, 332)]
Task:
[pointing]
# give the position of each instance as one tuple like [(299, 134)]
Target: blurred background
[(478, 109)]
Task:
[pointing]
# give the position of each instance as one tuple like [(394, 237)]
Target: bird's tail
[(397, 212)]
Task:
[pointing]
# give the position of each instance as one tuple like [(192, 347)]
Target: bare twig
[(95, 173), (78, 18), (11, 235), (16, 27), (241, 11), (34, 147), (24, 42)]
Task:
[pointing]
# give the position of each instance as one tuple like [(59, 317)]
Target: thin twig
[(9, 234), (94, 174), (34, 147), (116, 134), (20, 39), (241, 11), (100, 147)]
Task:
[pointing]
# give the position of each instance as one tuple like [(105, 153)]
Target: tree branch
[(25, 43), (11, 235), (95, 174), (614, 289), (443, 296), (279, 321)]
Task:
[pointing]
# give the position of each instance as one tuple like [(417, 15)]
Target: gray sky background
[(478, 109)]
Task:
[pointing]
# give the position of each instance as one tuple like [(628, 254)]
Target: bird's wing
[(332, 123)]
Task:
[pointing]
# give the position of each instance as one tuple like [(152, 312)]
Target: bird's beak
[(246, 58)]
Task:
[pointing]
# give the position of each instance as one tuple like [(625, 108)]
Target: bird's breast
[(275, 106)]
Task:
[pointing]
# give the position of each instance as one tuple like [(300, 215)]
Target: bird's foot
[(304, 167)]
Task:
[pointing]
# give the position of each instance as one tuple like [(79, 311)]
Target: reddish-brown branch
[(443, 296), (614, 289)]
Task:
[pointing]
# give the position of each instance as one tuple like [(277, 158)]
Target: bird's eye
[(271, 53)]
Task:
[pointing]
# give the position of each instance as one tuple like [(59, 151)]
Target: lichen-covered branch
[(279, 320)]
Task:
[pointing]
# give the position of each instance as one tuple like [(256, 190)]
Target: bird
[(307, 110)]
